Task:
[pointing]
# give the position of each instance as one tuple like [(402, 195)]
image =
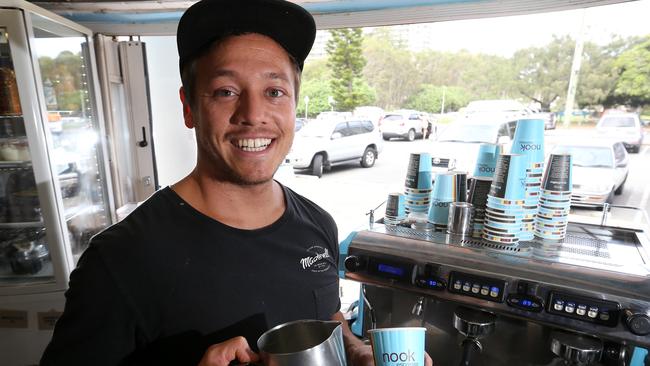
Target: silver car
[(323, 143), (626, 127), (600, 169)]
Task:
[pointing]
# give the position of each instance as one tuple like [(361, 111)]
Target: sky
[(503, 36)]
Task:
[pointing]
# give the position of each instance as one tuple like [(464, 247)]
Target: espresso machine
[(586, 301)]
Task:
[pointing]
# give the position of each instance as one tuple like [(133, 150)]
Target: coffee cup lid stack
[(487, 160), (529, 141), (504, 212), (479, 187), (395, 209), (418, 184), (555, 199)]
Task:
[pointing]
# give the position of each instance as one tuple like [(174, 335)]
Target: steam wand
[(371, 213)]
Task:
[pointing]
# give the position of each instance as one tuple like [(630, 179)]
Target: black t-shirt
[(166, 282)]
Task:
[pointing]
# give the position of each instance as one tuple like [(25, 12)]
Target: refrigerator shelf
[(15, 164), (21, 225)]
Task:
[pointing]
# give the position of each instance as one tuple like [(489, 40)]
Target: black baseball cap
[(288, 24)]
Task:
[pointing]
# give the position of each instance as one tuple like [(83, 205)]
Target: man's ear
[(187, 111)]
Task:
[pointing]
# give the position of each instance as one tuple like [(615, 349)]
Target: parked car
[(321, 144), (374, 114), (333, 115), (497, 109), (405, 124), (550, 121), (458, 145), (300, 122), (600, 169), (623, 126)]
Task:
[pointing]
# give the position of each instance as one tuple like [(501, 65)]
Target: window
[(355, 127), (619, 152), (343, 129)]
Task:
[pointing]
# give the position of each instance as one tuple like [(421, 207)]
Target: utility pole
[(575, 72), (442, 106)]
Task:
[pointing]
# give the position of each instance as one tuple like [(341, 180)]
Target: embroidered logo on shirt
[(318, 261)]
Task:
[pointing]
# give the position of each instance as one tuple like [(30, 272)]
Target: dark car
[(300, 122)]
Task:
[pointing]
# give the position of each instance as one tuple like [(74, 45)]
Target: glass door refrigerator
[(54, 187)]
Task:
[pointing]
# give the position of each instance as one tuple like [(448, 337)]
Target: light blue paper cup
[(398, 346), (509, 180), (487, 160), (439, 212), (529, 140), (558, 174), (395, 205), (445, 187), (418, 173)]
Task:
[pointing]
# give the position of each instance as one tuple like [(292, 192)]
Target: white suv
[(622, 126), (405, 124), (324, 143)]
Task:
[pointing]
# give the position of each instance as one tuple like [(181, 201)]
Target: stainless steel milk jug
[(303, 342)]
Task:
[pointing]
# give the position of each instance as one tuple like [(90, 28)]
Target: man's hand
[(360, 355), (234, 349)]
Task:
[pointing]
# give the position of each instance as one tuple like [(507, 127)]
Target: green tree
[(429, 98), (633, 68), (66, 74), (543, 72), (318, 91), (390, 70), (346, 62)]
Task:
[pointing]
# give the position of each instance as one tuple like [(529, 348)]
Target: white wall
[(174, 144)]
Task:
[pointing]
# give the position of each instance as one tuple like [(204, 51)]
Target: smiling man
[(202, 268)]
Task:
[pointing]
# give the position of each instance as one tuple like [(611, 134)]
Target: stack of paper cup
[(487, 160), (418, 184), (395, 210), (445, 191), (529, 141), (505, 203), (461, 185), (479, 188), (555, 200)]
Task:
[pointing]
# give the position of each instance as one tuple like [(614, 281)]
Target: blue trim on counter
[(325, 7), (343, 252)]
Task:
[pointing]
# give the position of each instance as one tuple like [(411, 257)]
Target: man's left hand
[(360, 355)]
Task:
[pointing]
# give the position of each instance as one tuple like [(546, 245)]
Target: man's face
[(244, 110)]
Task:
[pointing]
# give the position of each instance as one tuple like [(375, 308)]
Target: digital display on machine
[(526, 303), (385, 268)]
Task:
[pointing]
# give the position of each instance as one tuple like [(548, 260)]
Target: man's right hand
[(234, 349)]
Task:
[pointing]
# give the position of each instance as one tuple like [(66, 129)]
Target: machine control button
[(604, 316), (570, 307), (525, 302), (467, 287), (431, 283), (458, 285), (581, 310), (494, 291), (593, 312), (558, 305), (637, 323), (485, 290), (354, 263), (476, 288)]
